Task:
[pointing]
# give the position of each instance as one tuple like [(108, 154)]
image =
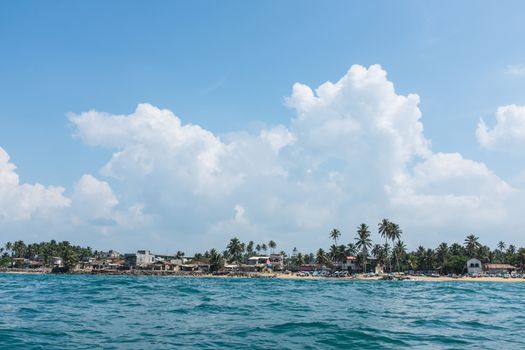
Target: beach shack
[(474, 266), (499, 269)]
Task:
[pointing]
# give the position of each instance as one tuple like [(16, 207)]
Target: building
[(499, 269), (112, 254), (56, 262), (141, 258), (351, 264), (474, 266), (273, 261)]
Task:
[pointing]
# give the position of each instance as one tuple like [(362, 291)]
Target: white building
[(141, 258), (350, 264), (474, 266)]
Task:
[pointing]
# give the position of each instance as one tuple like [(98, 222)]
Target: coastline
[(282, 276)]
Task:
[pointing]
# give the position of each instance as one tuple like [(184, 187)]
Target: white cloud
[(354, 152), (25, 201), (516, 70), (94, 199), (509, 132)]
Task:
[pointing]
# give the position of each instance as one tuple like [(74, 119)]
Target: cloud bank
[(354, 152)]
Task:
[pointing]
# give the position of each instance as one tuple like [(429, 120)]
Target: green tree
[(335, 234), (400, 252), (471, 245), (272, 246), (394, 233), (216, 260), (363, 243), (235, 250), (321, 258)]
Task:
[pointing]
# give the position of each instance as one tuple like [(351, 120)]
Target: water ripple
[(142, 312)]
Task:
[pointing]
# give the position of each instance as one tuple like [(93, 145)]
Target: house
[(112, 254), (141, 258), (273, 261), (499, 269), (56, 262), (474, 266), (350, 264)]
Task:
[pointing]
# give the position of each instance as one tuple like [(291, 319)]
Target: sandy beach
[(295, 276)]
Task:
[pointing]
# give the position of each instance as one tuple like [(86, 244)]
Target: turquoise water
[(124, 312)]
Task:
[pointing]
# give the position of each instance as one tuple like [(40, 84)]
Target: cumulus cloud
[(21, 202), (355, 151), (509, 132)]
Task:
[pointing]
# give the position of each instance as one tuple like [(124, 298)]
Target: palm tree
[(19, 248), (321, 257), (379, 253), (335, 234), (216, 260), (394, 233), (272, 246), (400, 252), (363, 242), (501, 245), (258, 249), (337, 253), (412, 262), (235, 250), (299, 259), (249, 248), (442, 253), (264, 247), (384, 231), (9, 247), (471, 245), (351, 249)]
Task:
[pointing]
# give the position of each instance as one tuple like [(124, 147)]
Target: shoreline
[(281, 276)]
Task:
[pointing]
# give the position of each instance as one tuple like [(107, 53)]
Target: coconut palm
[(351, 249), (501, 245), (384, 231), (19, 248), (264, 247), (272, 246), (235, 250), (249, 248), (363, 243), (394, 233), (471, 245), (299, 259), (216, 260), (321, 258), (400, 252), (379, 253), (335, 234), (442, 252), (258, 249)]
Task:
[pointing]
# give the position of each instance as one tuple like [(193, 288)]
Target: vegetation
[(11, 253), (392, 255)]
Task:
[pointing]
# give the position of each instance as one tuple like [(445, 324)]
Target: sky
[(176, 125)]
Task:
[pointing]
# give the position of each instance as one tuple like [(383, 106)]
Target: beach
[(289, 276)]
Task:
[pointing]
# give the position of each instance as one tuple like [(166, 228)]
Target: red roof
[(351, 258)]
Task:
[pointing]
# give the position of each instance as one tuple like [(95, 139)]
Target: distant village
[(360, 256)]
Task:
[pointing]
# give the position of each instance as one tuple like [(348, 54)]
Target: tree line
[(392, 255)]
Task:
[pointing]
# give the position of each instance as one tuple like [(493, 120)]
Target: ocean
[(139, 312)]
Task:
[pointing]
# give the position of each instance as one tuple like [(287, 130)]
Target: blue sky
[(228, 67)]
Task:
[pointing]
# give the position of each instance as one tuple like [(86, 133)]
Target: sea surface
[(139, 312)]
